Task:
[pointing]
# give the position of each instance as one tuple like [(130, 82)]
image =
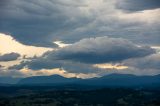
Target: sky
[(79, 38)]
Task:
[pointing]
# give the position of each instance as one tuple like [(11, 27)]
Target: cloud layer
[(82, 56), (39, 23), (30, 28), (100, 50)]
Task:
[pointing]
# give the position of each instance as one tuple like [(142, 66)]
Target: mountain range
[(112, 80), (9, 80)]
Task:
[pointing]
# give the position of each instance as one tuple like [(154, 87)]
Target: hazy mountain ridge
[(124, 80), (9, 80), (53, 79), (108, 80)]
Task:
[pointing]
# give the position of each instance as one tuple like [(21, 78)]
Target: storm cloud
[(31, 21), (39, 23)]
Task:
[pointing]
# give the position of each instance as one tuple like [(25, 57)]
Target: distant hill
[(53, 79), (124, 80), (9, 80)]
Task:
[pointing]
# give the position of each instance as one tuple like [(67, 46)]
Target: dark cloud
[(138, 5), (1, 66), (91, 50), (42, 63), (73, 58), (76, 67), (101, 50), (9, 57), (39, 23), (37, 63)]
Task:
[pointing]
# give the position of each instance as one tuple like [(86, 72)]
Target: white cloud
[(8, 45), (61, 44)]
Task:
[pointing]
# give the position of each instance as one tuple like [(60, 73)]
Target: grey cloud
[(37, 22), (92, 50), (101, 50), (138, 5), (4, 2), (19, 66), (49, 63), (77, 67), (73, 58), (40, 22), (9, 57), (151, 62), (42, 63), (11, 73), (37, 63)]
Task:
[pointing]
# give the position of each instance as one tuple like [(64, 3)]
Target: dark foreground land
[(51, 96)]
